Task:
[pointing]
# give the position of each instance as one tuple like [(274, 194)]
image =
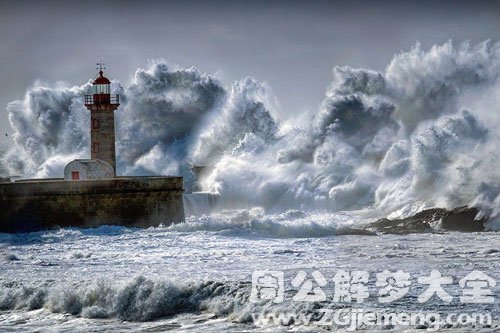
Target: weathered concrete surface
[(132, 201)]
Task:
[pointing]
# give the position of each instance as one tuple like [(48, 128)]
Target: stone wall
[(132, 201)]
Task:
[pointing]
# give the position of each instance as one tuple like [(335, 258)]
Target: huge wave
[(421, 134)]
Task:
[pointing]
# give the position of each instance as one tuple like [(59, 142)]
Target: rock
[(462, 219), (457, 219)]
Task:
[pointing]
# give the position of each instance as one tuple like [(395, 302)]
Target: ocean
[(294, 247), (202, 275)]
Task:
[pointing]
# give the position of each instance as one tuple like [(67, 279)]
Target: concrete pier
[(51, 203)]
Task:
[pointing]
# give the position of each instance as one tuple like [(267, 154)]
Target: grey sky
[(291, 45)]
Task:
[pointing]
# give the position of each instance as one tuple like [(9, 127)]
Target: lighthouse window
[(95, 124), (101, 89)]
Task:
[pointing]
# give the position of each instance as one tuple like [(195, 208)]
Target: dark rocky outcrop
[(458, 219)]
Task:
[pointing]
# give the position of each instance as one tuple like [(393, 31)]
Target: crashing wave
[(421, 134), (140, 299)]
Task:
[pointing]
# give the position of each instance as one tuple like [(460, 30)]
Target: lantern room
[(101, 91), (101, 85)]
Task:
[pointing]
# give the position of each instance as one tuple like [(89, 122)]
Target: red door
[(75, 175)]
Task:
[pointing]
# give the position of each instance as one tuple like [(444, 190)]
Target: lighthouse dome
[(101, 79)]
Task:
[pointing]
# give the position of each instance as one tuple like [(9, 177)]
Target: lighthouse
[(102, 105), (90, 194)]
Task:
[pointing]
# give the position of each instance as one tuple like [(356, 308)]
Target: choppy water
[(197, 276)]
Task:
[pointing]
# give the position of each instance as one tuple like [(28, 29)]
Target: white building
[(88, 169)]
